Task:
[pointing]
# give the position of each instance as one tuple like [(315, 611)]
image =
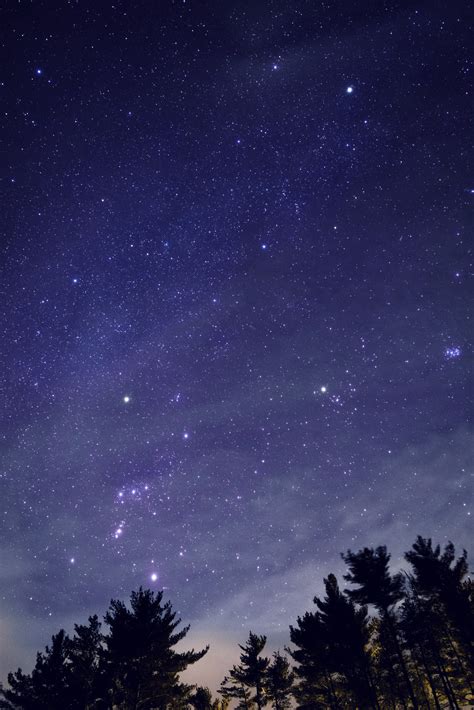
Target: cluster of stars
[(452, 353)]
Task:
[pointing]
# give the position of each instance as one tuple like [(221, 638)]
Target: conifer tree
[(85, 652), (315, 688), (440, 577), (279, 682), (140, 658), (369, 569), (201, 699), (333, 662), (248, 676), (49, 685)]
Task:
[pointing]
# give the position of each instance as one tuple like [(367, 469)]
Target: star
[(349, 90), (324, 389), (126, 399), (153, 577)]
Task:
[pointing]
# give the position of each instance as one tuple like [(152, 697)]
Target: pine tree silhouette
[(201, 699), (369, 569), (332, 651), (248, 676), (441, 578), (139, 658), (279, 682), (49, 685)]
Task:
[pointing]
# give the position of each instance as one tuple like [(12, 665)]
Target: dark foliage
[(246, 682), (132, 666), (415, 651), (279, 682)]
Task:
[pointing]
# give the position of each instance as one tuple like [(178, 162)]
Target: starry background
[(233, 304)]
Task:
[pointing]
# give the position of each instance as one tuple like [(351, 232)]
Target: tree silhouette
[(201, 699), (423, 630), (331, 652), (140, 660), (279, 682), (316, 687), (440, 577), (416, 651), (49, 685), (248, 676), (133, 666), (369, 569), (231, 690), (85, 659)]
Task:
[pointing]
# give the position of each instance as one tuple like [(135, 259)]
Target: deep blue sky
[(233, 303)]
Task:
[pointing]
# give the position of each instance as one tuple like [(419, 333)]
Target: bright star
[(39, 71), (154, 577), (126, 399), (349, 90), (324, 389), (185, 435)]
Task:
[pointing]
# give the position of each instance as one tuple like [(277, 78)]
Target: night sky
[(234, 304)]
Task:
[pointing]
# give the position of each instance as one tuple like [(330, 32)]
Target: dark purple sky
[(233, 303)]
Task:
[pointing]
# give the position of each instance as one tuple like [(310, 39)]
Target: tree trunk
[(429, 676), (406, 676), (464, 671)]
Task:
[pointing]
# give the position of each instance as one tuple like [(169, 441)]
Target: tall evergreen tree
[(140, 657), (347, 633), (85, 655), (279, 682), (201, 699), (49, 685), (440, 577), (369, 569), (315, 688), (249, 675), (232, 691), (423, 630), (332, 652)]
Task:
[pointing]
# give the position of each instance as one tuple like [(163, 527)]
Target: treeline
[(414, 650)]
